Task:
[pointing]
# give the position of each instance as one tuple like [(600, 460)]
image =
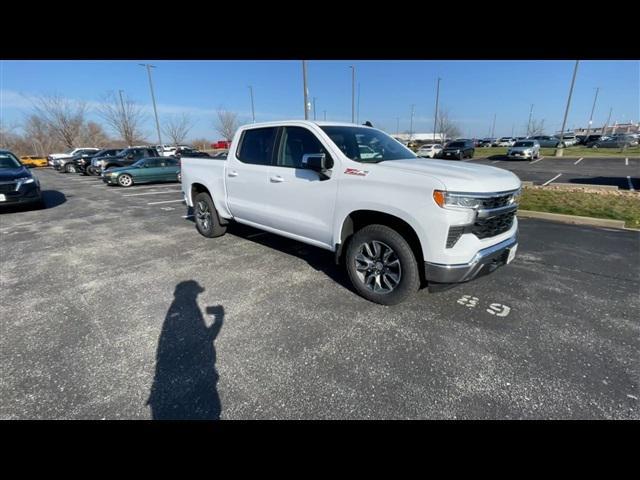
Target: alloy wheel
[(203, 215), (378, 267)]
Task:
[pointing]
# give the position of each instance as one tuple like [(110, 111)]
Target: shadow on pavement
[(185, 382), (50, 198)]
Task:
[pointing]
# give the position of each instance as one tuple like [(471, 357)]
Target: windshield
[(139, 163), (380, 146), (455, 145), (523, 144), (8, 160)]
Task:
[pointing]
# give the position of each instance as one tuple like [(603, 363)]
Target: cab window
[(297, 142), (256, 146)]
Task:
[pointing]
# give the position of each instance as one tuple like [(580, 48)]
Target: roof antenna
[(367, 124)]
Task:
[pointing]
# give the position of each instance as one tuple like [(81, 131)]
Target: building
[(418, 137), (609, 130)]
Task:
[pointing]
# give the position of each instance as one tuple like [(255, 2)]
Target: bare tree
[(177, 128), (43, 139), (201, 143), (227, 123), (63, 116), (447, 127), (124, 117), (93, 135), (536, 127)]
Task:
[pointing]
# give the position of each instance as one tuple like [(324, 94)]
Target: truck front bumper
[(484, 262)]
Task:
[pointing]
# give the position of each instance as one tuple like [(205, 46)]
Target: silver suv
[(527, 149)]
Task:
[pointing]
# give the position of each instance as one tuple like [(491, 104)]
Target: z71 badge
[(355, 171)]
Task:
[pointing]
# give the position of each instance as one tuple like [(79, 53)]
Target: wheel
[(460, 155), (381, 265), (179, 177), (125, 180), (70, 168), (207, 221)]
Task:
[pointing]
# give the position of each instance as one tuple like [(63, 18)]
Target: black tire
[(460, 155), (125, 180), (409, 277), (206, 216), (70, 168)]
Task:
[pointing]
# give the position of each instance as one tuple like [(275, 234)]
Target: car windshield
[(350, 141), (523, 144), (139, 163), (8, 160), (455, 145)]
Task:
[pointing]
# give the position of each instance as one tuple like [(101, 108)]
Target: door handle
[(232, 174), (276, 179)]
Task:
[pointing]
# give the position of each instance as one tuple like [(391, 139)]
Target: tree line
[(56, 124)]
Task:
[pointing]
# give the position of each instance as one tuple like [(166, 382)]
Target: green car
[(145, 170)]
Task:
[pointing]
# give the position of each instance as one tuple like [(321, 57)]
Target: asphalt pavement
[(114, 307)]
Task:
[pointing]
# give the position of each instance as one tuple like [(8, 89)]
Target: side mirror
[(130, 156), (318, 162)]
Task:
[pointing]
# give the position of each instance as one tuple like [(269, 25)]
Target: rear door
[(247, 175)]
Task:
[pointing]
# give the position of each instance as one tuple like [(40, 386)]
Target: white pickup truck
[(394, 220)]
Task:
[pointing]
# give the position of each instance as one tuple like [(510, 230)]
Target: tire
[(179, 177), (125, 180), (70, 168), (206, 217), (460, 155), (362, 258)]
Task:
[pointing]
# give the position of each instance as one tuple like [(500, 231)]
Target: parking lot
[(623, 172), (113, 306)]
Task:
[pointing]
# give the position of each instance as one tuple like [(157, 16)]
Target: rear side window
[(257, 146)]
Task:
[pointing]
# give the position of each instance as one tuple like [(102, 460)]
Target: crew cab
[(395, 221), (125, 158)]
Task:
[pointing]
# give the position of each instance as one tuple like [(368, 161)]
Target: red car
[(221, 144)]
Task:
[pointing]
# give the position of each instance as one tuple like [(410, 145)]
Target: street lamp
[(353, 93), (253, 112), (559, 150), (153, 98)]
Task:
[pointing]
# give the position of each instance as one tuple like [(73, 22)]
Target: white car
[(68, 154), (430, 150), (506, 142), (393, 221)]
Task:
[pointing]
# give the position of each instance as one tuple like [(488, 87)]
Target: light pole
[(253, 112), (606, 125), (353, 93), (358, 108), (325, 114), (559, 150), (153, 98), (306, 93), (435, 119), (314, 108), (411, 124), (493, 127), (592, 110), (529, 124)]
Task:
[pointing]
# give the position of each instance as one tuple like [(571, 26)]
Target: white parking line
[(144, 187), (495, 161), (166, 201), (541, 158), (630, 184), (152, 193), (549, 181), (188, 216), (626, 161), (578, 161)]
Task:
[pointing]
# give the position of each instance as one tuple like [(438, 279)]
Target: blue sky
[(472, 91)]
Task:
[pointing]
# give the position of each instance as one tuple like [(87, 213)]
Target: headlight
[(25, 180), (527, 152), (447, 200)]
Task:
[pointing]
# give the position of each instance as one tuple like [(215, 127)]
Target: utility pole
[(125, 119), (513, 126), (306, 93), (592, 110), (559, 150), (358, 108), (608, 120), (153, 98), (325, 114), (411, 124), (493, 127), (253, 112), (314, 108), (435, 118), (529, 124), (353, 94)]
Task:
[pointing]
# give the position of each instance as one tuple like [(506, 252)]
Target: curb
[(583, 186), (573, 219)]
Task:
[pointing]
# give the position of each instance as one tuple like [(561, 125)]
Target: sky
[(471, 91)]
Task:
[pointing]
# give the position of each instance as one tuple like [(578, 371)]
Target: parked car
[(391, 220), (125, 158), (70, 153), (486, 142), (458, 149), (430, 150), (68, 164), (190, 153), (170, 150), (154, 169), (83, 164), (505, 142), (527, 149), (32, 161), (613, 142), (548, 141), (569, 139), (18, 186), (221, 144)]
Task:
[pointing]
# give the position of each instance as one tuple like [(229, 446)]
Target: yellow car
[(33, 161)]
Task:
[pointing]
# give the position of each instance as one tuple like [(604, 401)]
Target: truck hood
[(459, 176)]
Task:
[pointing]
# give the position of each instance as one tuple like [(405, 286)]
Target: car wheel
[(179, 177), (381, 265), (460, 155), (70, 168), (206, 216), (125, 180)]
